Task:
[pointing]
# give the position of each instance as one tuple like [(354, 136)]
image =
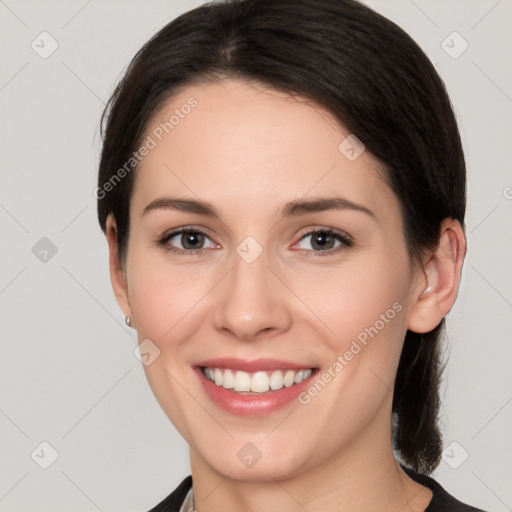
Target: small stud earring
[(427, 290), (127, 321)]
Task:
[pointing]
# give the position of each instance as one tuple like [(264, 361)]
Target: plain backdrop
[(73, 396)]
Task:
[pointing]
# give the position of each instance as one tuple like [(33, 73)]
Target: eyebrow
[(291, 209)]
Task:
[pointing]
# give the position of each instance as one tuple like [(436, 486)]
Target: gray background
[(68, 374)]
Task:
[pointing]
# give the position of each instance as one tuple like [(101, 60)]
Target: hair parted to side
[(373, 78)]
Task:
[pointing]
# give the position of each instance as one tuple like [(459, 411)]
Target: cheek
[(163, 296), (366, 312), (164, 300), (358, 300), (364, 307)]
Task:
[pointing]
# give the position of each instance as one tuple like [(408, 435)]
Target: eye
[(318, 242), (186, 241), (323, 240)]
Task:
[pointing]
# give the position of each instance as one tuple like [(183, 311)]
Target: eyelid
[(185, 229), (325, 229)]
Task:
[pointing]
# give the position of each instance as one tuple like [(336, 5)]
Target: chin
[(258, 461)]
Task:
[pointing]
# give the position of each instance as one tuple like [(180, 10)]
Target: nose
[(252, 302)]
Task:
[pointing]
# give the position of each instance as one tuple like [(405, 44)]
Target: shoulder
[(441, 500), (174, 501)]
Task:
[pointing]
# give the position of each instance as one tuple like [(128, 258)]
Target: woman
[(282, 186)]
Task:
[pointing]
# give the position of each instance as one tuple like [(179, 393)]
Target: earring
[(427, 290), (127, 321)]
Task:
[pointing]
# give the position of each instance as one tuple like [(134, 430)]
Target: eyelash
[(346, 241)]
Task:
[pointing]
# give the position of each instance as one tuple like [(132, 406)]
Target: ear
[(437, 290), (117, 272)]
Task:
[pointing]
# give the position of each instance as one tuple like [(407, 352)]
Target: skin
[(248, 150)]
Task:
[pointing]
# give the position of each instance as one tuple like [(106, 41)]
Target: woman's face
[(251, 173)]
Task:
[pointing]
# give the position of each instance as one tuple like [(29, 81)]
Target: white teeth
[(289, 378), (258, 382), (276, 380), (228, 380), (242, 381)]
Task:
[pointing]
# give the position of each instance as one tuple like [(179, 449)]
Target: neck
[(362, 476)]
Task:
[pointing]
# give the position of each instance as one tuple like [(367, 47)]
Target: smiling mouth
[(255, 382)]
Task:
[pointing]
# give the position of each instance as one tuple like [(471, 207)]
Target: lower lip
[(251, 405)]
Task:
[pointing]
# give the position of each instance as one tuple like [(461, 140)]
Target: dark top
[(441, 500)]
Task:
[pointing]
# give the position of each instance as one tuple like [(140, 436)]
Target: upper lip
[(252, 365)]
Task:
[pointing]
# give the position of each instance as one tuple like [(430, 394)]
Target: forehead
[(234, 140)]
